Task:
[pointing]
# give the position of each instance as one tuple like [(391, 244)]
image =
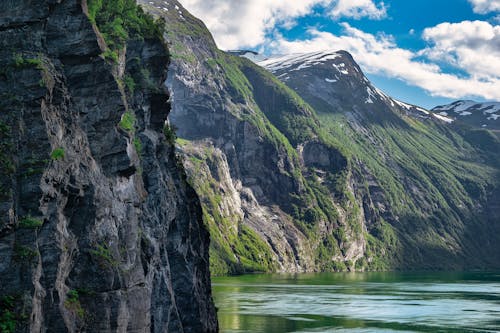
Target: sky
[(425, 52)]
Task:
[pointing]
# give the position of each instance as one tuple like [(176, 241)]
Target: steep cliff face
[(239, 128), (99, 231)]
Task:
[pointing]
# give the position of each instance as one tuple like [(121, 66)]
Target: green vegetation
[(127, 122), (103, 253), (7, 167), (29, 222), (20, 61), (72, 303), (120, 20), (24, 253), (57, 154), (8, 317), (179, 52), (235, 248), (138, 146), (169, 132), (129, 83)]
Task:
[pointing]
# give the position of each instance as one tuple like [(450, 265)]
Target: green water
[(359, 302)]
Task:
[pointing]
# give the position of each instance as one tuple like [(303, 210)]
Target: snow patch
[(422, 110), (403, 105), (494, 117), (298, 60), (341, 69), (331, 80), (443, 118)]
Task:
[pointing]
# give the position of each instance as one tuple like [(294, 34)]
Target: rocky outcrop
[(99, 230)]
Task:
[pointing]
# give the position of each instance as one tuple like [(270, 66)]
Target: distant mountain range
[(484, 115)]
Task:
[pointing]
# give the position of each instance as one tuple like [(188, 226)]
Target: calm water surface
[(359, 302)]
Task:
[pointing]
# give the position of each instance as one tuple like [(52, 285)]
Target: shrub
[(169, 133), (103, 253), (138, 146), (21, 62), (129, 83), (57, 154), (128, 121), (29, 222)]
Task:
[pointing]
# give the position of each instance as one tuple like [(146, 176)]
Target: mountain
[(307, 166), (481, 115), (99, 230), (331, 80)]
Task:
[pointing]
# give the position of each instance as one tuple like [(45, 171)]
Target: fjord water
[(359, 302)]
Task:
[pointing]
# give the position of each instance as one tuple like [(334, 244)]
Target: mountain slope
[(412, 170), (357, 181), (99, 230)]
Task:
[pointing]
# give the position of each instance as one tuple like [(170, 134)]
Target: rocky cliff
[(99, 231), (350, 180)]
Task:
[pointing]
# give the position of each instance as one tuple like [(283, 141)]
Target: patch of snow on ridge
[(443, 118), (493, 117), (422, 110), (403, 105), (465, 113), (298, 59), (330, 80)]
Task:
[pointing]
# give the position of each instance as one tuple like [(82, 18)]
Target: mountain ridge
[(476, 114)]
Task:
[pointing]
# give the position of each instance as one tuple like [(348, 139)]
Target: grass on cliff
[(120, 20), (234, 247)]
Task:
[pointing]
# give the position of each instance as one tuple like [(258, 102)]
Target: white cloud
[(380, 55), (485, 6), (358, 9), (245, 23), (471, 46)]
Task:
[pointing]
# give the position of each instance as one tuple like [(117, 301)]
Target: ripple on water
[(270, 303)]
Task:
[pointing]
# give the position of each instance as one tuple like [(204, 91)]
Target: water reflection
[(371, 302)]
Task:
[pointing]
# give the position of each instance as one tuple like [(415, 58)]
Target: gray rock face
[(252, 181), (99, 231)]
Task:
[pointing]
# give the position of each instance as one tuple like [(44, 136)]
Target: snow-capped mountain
[(336, 79), (485, 115)]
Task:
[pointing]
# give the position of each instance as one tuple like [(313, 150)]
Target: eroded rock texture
[(99, 231)]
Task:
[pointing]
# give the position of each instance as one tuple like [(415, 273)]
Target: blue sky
[(426, 52)]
